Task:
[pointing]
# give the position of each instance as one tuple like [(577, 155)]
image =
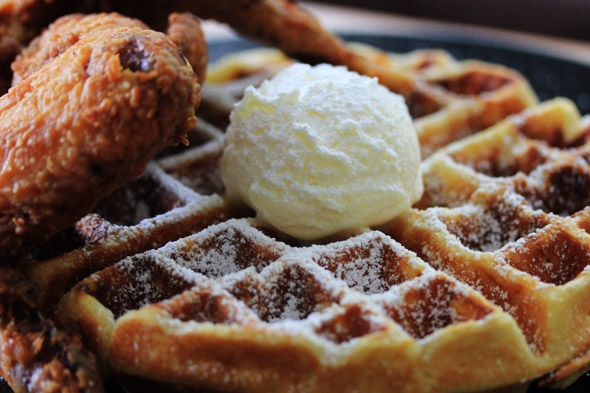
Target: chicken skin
[(84, 122)]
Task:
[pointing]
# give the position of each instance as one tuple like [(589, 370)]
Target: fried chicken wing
[(75, 129), (34, 355)]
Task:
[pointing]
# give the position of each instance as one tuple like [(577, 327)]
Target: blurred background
[(560, 18)]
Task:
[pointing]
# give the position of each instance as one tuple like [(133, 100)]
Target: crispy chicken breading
[(73, 131), (280, 23)]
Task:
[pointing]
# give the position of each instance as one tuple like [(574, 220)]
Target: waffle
[(174, 289), (507, 213)]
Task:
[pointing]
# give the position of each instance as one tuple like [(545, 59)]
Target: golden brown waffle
[(506, 212), (190, 294), (231, 308)]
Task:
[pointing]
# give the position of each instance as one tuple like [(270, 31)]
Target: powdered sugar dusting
[(334, 294)]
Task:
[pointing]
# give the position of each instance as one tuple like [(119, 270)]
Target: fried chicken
[(34, 355), (83, 123)]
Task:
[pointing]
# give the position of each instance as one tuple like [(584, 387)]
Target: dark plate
[(550, 77)]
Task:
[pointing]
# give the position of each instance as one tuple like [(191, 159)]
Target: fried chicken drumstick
[(84, 122)]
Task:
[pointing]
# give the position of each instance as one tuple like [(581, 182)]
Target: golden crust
[(84, 123)]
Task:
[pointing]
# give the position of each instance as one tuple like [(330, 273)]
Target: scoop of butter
[(317, 151)]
